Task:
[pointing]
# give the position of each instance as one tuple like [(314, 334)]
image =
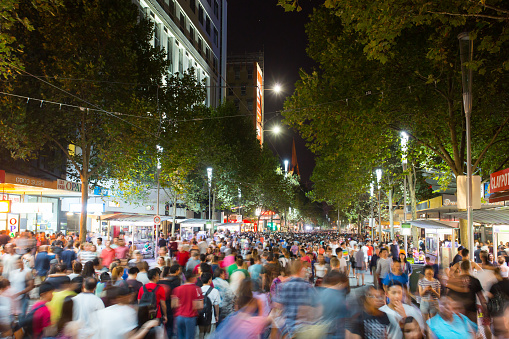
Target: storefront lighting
[(5, 206), (69, 214)]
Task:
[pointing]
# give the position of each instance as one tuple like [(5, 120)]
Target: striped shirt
[(435, 284), (86, 256)]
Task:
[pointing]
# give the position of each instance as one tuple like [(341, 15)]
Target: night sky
[(261, 25)]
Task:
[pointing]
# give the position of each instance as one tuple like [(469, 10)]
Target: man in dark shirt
[(134, 285), (394, 249), (68, 256), (477, 254), (42, 261), (370, 323)]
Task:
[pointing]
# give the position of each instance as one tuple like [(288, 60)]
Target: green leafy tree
[(95, 55), (398, 65)]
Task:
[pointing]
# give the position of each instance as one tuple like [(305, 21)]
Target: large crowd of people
[(247, 285)]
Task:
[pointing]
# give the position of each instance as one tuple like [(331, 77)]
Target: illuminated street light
[(277, 88), (378, 176), (276, 129), (286, 166)]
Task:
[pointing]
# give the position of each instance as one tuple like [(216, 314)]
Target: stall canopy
[(498, 216), (434, 224), (192, 222), (134, 217)]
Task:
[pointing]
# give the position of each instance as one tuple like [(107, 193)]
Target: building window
[(207, 54), (157, 36), (216, 9), (182, 22), (169, 53), (200, 14), (243, 90), (214, 63), (192, 3), (216, 37), (230, 91), (191, 34), (171, 6), (210, 2), (181, 61), (250, 73), (200, 44), (237, 73), (207, 25), (237, 104), (250, 104)]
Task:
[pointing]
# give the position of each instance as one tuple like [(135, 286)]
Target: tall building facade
[(193, 34), (245, 84)]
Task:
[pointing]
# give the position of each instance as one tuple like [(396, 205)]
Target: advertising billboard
[(259, 102)]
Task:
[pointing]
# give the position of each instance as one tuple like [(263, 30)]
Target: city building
[(193, 34), (39, 196), (245, 86)]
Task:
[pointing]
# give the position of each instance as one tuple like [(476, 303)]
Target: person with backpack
[(187, 299), (39, 318), (153, 296), (208, 316)]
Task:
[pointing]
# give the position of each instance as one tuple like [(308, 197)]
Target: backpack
[(149, 300), (205, 314), (27, 323)]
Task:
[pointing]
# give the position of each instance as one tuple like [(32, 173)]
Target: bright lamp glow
[(277, 88), (404, 148), (276, 129), (286, 166), (209, 175)]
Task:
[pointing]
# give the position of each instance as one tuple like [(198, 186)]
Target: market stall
[(195, 227), (231, 227)]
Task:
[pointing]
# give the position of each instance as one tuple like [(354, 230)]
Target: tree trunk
[(84, 202), (464, 233), (391, 213), (174, 215), (413, 204)]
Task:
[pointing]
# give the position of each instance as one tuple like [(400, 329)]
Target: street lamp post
[(466, 56), (378, 179), (372, 220), (209, 175), (404, 141)]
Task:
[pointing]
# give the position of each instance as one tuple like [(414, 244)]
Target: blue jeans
[(186, 327)]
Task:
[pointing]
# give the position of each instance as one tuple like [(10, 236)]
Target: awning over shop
[(434, 224), (498, 216), (191, 222), (135, 217)]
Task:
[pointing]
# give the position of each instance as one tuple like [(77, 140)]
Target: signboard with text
[(68, 185), (499, 181)]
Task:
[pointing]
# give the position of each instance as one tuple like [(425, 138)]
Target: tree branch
[(470, 15), (491, 142), (496, 9), (66, 152)]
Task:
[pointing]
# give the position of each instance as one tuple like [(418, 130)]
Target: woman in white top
[(320, 270)]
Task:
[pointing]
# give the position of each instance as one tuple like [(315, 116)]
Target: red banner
[(499, 181)]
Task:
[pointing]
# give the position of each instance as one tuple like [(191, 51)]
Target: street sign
[(157, 220), (406, 229)]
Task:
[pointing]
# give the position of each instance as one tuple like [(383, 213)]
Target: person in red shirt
[(153, 276), (42, 315), (187, 299), (183, 256), (107, 255), (122, 250)]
